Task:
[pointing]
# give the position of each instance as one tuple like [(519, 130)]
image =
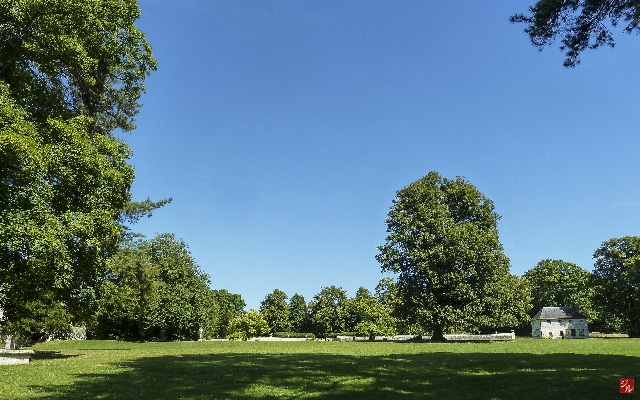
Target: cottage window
[(573, 332), (581, 332), (570, 321)]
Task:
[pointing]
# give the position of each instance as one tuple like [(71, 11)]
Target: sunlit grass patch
[(522, 369)]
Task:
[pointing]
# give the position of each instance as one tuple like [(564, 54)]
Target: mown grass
[(523, 369)]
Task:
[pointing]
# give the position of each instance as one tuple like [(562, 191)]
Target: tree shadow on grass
[(51, 355), (327, 376)]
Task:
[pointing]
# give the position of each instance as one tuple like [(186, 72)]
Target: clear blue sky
[(283, 129)]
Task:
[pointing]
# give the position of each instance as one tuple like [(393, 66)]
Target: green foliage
[(71, 72), (327, 311), (61, 190), (68, 58), (299, 314), (443, 243), (156, 290), (275, 311), (511, 299), (134, 210), (366, 316), (557, 283), (616, 281), (229, 306), (580, 24), (42, 319), (248, 325)]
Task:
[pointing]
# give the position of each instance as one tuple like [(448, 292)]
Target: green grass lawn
[(522, 369)]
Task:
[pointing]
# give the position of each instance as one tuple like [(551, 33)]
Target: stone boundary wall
[(493, 337)]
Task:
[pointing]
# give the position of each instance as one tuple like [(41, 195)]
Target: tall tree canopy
[(299, 314), (156, 289), (66, 58), (452, 272), (229, 305), (275, 311), (71, 72), (557, 283), (616, 280), (327, 310), (366, 316), (580, 24), (61, 192)]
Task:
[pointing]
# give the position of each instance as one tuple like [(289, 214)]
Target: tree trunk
[(438, 336)]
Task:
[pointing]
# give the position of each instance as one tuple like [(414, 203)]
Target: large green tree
[(557, 283), (275, 311), (71, 72), (61, 192), (579, 24), (452, 272), (299, 314), (616, 280), (366, 316), (156, 290), (327, 310), (229, 305)]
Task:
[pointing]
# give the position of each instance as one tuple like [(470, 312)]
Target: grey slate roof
[(559, 313)]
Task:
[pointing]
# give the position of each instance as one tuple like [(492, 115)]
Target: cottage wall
[(555, 328)]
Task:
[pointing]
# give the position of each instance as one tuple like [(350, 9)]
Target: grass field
[(522, 369)]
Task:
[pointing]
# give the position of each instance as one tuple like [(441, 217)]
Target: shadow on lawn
[(326, 376), (51, 355)]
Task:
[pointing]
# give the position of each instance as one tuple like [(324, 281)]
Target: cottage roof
[(559, 313)]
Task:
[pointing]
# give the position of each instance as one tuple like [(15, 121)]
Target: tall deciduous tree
[(557, 283), (327, 310), (299, 314), (579, 24), (366, 316), (229, 305), (616, 280), (275, 311), (443, 244), (61, 192), (71, 72), (156, 286)]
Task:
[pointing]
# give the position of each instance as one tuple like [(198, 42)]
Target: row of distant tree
[(605, 296), (156, 290)]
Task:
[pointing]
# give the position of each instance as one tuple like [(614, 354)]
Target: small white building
[(559, 323)]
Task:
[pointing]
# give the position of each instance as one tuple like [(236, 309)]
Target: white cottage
[(559, 323)]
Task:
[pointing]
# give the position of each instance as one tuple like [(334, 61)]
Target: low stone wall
[(488, 337), (493, 337), (15, 356), (608, 335)]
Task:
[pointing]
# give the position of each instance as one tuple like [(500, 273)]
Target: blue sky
[(283, 129)]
